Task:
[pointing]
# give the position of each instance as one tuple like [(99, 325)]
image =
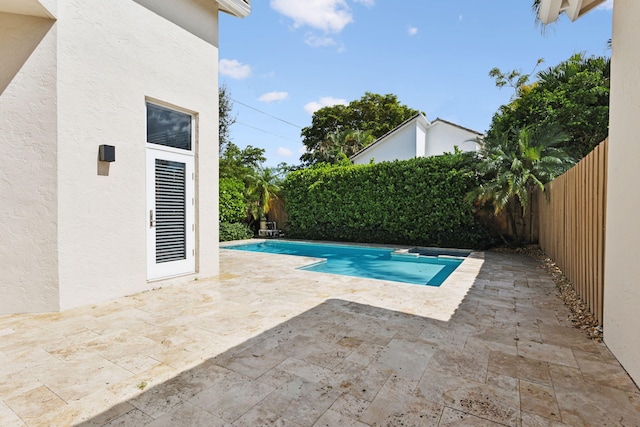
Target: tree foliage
[(348, 128), (238, 163), (225, 117), (573, 95), (262, 186), (515, 163), (417, 201), (231, 200)]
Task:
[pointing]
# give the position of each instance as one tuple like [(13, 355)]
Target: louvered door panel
[(170, 213)]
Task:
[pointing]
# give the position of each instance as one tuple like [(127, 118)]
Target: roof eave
[(418, 117), (550, 10), (239, 8)]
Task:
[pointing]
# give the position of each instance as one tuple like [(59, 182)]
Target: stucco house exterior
[(417, 137), (108, 147), (622, 269)]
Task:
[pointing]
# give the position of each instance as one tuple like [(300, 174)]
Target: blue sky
[(290, 57)]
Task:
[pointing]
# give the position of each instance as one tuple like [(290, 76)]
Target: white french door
[(170, 213)]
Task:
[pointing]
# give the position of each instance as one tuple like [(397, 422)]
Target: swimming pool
[(363, 261)]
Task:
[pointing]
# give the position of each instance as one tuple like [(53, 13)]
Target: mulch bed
[(580, 316)]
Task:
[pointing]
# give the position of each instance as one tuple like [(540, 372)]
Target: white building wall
[(112, 56), (421, 140), (622, 269), (28, 165), (401, 145), (443, 137)]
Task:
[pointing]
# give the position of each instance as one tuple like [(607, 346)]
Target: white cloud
[(330, 16), (412, 31), (325, 101), (368, 3), (284, 152), (607, 5), (302, 150), (234, 69), (315, 41), (273, 96)]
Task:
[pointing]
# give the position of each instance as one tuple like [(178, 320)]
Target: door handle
[(152, 221)]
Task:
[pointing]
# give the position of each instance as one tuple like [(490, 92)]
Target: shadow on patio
[(507, 356)]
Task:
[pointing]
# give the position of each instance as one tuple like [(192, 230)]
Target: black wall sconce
[(107, 153)]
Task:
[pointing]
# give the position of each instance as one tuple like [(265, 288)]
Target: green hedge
[(235, 231), (416, 202), (232, 200)]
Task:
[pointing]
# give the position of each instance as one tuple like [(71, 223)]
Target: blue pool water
[(361, 261)]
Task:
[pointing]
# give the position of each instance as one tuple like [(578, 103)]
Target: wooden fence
[(278, 214), (572, 226)]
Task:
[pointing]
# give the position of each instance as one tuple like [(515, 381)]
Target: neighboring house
[(77, 78), (417, 137), (622, 269)]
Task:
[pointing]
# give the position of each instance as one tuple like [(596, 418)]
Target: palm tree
[(344, 143), (262, 185), (516, 163)]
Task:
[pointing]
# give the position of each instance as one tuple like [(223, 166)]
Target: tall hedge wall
[(231, 202), (415, 202)]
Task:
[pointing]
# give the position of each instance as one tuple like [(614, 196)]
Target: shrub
[(235, 231), (415, 202), (232, 200)]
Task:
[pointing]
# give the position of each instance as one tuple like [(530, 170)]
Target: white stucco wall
[(622, 269), (28, 165), (401, 145), (74, 231), (443, 137), (111, 57)]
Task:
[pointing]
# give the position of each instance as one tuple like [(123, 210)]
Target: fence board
[(571, 226)]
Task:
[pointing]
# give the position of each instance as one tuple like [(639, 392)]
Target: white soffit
[(239, 8), (551, 9), (25, 7)]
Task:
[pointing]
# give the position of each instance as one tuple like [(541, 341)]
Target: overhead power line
[(266, 114), (266, 131)]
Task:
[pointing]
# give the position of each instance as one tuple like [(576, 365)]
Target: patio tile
[(259, 347), (470, 363), (398, 387), (483, 400), (411, 411), (547, 353), (519, 367), (504, 382), (83, 377), (188, 415), (103, 418), (406, 358), (454, 418), (260, 417), (135, 417), (362, 382), (8, 417), (350, 406), (162, 398), (539, 399), (231, 396), (300, 400), (332, 418), (31, 406), (533, 420), (606, 374), (587, 403), (256, 360)]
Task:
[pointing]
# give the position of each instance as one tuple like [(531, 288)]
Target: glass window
[(168, 127)]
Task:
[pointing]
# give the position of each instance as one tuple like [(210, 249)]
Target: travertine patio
[(265, 344)]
